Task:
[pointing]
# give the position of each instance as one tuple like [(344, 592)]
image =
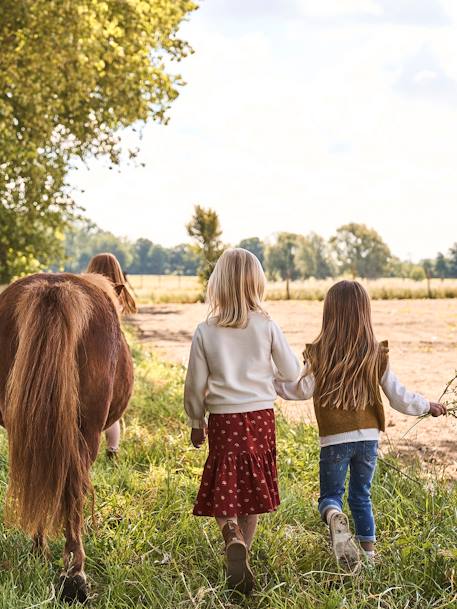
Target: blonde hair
[(236, 287), (108, 265), (346, 358)]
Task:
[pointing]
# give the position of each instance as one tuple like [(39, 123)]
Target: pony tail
[(48, 468)]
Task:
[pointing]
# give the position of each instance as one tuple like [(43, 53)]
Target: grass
[(146, 550), (175, 289)]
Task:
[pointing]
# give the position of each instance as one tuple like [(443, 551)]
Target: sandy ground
[(422, 336)]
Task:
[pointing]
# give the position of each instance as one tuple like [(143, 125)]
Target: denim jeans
[(360, 458)]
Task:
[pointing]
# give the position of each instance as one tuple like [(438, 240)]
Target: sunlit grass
[(147, 550)]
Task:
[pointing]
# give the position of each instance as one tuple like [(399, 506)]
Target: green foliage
[(147, 551), (441, 266), (281, 258), (72, 75), (313, 258), (255, 246), (85, 239), (182, 260), (21, 239), (452, 261), (148, 258), (360, 251), (205, 229)]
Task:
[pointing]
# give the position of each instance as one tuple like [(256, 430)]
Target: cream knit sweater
[(232, 370)]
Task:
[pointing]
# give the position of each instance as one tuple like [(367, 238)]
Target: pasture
[(146, 550), (186, 289)]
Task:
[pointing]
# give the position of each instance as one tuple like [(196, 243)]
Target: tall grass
[(146, 550), (175, 289)]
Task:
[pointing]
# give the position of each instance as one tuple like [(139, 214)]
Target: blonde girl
[(108, 265), (344, 369), (234, 357)]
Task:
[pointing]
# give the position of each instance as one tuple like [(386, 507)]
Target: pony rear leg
[(40, 545), (73, 581)]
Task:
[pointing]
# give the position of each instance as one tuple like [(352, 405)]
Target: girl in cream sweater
[(234, 358)]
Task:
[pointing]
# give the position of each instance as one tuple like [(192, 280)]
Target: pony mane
[(104, 284)]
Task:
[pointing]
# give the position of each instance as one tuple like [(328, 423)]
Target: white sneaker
[(369, 559), (343, 543)]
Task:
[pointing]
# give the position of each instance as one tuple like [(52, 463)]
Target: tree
[(441, 266), (141, 251), (427, 266), (21, 238), (313, 259), (85, 239), (360, 251), (72, 76), (205, 228), (183, 260), (281, 258), (149, 258), (79, 245), (452, 261), (255, 246)]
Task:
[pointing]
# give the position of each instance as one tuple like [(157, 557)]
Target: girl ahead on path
[(231, 376), (344, 368), (108, 265)]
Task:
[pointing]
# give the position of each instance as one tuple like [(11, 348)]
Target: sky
[(300, 115)]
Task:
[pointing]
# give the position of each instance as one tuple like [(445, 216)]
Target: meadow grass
[(146, 550), (176, 289)]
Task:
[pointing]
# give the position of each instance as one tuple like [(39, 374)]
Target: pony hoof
[(73, 588)]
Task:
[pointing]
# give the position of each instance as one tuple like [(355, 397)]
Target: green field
[(147, 550), (183, 289)]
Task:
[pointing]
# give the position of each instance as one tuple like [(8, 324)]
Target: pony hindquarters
[(62, 349), (46, 449)]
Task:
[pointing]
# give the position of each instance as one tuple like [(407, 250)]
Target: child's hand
[(437, 409), (197, 436)]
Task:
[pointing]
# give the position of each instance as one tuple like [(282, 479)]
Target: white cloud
[(237, 13), (336, 8), (422, 77)]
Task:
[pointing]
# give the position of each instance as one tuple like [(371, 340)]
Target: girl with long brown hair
[(108, 265), (344, 369), (232, 364)]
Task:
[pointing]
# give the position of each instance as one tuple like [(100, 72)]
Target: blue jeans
[(360, 458)]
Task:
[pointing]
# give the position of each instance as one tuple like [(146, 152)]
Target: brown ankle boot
[(239, 574)]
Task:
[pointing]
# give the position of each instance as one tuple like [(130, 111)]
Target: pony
[(66, 374)]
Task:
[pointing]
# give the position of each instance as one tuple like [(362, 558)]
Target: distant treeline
[(354, 249)]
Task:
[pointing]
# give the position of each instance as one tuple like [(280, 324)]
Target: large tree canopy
[(72, 74), (360, 250)]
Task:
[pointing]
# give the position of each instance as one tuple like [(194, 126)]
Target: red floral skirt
[(240, 476)]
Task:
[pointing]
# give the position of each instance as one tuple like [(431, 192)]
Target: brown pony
[(66, 374)]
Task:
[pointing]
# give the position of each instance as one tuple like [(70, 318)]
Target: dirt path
[(423, 351)]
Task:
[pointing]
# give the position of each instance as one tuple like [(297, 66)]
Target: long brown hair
[(236, 287), (346, 357), (108, 265)]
